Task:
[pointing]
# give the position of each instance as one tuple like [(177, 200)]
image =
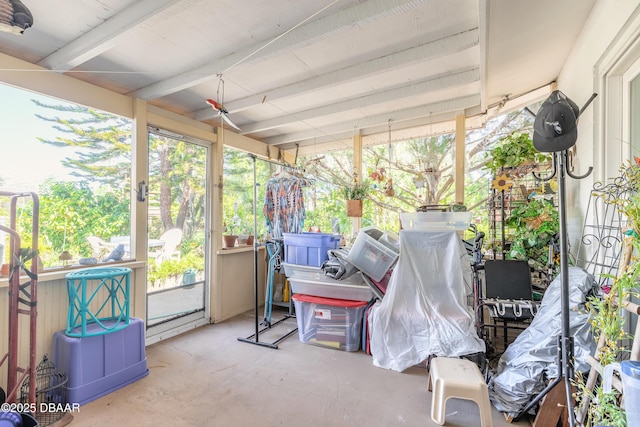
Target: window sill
[(237, 249), (58, 273)]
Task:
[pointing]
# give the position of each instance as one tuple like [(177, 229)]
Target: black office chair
[(508, 295)]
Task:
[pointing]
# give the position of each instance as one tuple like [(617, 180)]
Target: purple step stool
[(96, 365)]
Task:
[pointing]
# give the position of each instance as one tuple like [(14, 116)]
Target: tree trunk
[(165, 188)]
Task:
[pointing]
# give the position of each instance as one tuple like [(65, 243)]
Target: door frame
[(162, 331)]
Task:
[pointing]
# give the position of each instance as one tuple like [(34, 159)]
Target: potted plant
[(354, 195), (513, 151), (230, 232)]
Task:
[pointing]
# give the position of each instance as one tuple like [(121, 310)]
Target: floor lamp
[(555, 131)]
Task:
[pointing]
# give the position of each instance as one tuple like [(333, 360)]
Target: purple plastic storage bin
[(309, 248), (96, 365)]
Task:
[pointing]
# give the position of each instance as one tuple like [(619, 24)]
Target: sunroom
[(136, 135)]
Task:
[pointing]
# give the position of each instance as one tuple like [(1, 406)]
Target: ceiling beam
[(385, 62), (319, 29), (438, 124), (104, 36), (423, 111), (452, 79)]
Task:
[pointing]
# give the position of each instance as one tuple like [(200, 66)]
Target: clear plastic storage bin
[(436, 220), (329, 322), (312, 281), (372, 256)]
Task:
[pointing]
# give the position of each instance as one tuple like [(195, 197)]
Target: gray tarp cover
[(337, 267), (531, 360), (424, 311)]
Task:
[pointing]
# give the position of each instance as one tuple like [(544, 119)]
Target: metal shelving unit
[(525, 185)]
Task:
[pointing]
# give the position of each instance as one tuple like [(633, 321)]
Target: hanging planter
[(515, 151), (354, 208), (354, 195)]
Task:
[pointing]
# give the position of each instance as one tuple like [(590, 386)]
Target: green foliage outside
[(237, 202), (102, 143), (171, 268), (69, 213), (177, 172), (97, 203), (325, 204), (421, 173)]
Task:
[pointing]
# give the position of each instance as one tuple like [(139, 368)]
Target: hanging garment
[(284, 205), (424, 311)]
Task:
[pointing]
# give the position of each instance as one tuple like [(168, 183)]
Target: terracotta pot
[(250, 241), (229, 241), (4, 270), (354, 208)]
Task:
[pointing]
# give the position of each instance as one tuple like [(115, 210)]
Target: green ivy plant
[(514, 150), (535, 225)]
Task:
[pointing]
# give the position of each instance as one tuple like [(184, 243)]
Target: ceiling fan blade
[(228, 120), (222, 111)]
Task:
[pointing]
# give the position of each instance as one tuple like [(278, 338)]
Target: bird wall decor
[(222, 112), (116, 254)]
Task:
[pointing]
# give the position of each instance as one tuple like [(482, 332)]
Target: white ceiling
[(308, 72)]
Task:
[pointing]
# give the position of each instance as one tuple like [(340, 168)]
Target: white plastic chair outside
[(99, 247), (171, 239)]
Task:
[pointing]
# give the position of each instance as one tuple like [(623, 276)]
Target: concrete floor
[(208, 378)]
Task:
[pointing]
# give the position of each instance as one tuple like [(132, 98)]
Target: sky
[(26, 162)]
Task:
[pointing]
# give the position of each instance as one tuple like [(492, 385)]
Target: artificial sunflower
[(502, 183)]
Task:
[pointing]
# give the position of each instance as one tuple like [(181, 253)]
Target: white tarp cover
[(424, 311)]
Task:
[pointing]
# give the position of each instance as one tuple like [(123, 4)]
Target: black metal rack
[(565, 339), (525, 184), (255, 337)]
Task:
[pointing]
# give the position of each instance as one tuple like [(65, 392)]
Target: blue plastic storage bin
[(309, 248)]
